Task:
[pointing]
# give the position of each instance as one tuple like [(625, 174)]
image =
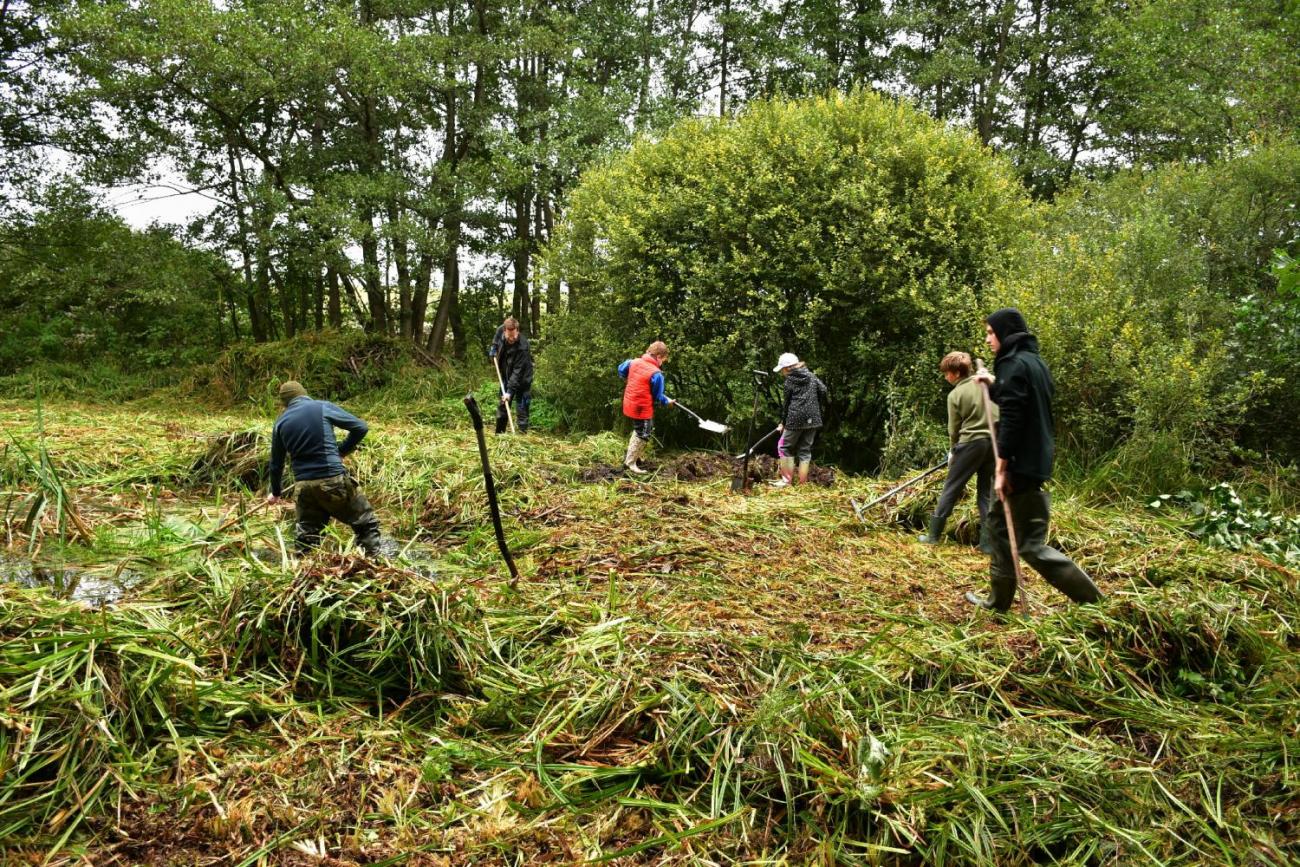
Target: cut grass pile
[(682, 675)]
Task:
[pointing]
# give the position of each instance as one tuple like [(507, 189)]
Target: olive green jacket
[(967, 419)]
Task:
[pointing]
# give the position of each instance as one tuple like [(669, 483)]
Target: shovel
[(710, 426), (741, 482)]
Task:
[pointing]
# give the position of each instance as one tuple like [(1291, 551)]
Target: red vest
[(637, 400)]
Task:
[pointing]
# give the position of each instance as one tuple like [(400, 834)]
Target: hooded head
[(1003, 325), (289, 389), (1006, 322)]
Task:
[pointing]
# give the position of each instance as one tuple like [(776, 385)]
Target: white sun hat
[(787, 359)]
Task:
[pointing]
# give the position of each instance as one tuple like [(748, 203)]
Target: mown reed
[(680, 676)]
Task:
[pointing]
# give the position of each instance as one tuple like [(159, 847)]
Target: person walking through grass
[(970, 448), (514, 360), (323, 489), (644, 389), (1022, 387), (801, 419)]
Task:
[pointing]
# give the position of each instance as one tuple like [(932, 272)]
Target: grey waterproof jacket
[(804, 393)]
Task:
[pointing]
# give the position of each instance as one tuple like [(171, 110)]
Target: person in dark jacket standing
[(801, 418), (323, 489), (970, 451), (514, 359), (1023, 389), (644, 389)]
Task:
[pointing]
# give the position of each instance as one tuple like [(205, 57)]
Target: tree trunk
[(255, 320), (318, 298), (553, 300), (450, 290), (401, 258), (722, 87), (378, 321), (335, 303), (521, 305)]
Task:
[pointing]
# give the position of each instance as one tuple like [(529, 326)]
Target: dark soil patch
[(704, 466)]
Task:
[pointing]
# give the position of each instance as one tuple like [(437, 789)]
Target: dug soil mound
[(705, 466)]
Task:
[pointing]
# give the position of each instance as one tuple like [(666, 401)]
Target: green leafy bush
[(1134, 286), (852, 230)]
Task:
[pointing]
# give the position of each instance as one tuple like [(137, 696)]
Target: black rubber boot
[(986, 544), (935, 536)]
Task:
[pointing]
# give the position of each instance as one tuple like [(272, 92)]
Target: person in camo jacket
[(801, 418)]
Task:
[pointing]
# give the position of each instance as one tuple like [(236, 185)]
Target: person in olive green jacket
[(971, 448)]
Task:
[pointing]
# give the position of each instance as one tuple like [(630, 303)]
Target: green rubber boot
[(935, 536)]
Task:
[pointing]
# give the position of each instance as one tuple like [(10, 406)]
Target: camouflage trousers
[(338, 497)]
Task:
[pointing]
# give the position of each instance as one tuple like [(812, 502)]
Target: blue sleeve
[(623, 368), (355, 427), (657, 388), (496, 342), (277, 461)]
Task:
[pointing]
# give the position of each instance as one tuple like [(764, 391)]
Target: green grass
[(682, 675)]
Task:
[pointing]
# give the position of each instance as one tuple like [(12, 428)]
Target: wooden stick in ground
[(510, 418), (472, 405), (1006, 504)]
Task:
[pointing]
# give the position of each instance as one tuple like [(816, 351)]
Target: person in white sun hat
[(801, 418)]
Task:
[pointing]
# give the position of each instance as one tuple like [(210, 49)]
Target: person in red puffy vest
[(645, 388)]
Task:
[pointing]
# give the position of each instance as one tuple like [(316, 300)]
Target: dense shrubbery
[(817, 227), (76, 283), (1153, 297), (854, 231)]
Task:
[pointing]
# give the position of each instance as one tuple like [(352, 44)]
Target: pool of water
[(94, 587)]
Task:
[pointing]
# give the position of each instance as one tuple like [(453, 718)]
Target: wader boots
[(318, 500), (786, 468), (1031, 512), (935, 535), (635, 448)]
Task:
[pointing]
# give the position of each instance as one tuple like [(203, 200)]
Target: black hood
[(1006, 322), (1021, 341)]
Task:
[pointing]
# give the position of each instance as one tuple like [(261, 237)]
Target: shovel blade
[(714, 427)]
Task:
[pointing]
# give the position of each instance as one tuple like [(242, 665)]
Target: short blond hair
[(658, 349), (956, 362)]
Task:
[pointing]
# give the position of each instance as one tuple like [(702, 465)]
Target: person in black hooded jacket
[(514, 359), (1022, 387)]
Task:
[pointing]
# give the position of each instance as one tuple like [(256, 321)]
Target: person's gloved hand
[(985, 375), (505, 398), (781, 426)]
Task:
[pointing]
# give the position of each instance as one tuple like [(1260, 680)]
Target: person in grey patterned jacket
[(801, 418)]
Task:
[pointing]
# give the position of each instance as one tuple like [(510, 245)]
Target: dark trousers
[(643, 428), (1031, 512), (521, 402), (318, 500), (972, 458)]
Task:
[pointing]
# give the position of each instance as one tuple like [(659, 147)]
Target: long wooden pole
[(502, 384), (477, 418), (1006, 504)]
